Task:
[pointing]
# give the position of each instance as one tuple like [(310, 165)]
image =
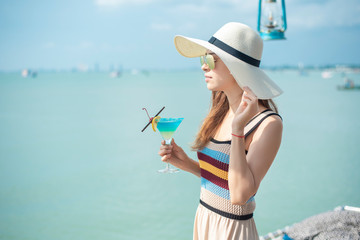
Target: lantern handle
[(259, 16), (284, 14)]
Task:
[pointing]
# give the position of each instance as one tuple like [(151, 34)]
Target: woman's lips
[(207, 78)]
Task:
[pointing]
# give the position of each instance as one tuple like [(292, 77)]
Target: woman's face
[(219, 78)]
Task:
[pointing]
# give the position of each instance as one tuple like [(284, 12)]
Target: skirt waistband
[(225, 214)]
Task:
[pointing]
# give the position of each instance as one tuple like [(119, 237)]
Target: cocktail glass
[(167, 128)]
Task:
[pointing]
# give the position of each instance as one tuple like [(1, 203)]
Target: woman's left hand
[(248, 107)]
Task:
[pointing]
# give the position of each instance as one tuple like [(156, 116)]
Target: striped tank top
[(214, 165)]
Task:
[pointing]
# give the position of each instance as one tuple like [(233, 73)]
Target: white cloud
[(302, 14), (202, 18), (331, 13)]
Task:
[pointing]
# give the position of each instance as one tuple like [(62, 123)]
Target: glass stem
[(168, 142)]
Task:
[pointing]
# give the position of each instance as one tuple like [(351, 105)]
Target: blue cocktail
[(167, 128)]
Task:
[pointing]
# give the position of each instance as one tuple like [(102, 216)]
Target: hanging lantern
[(272, 19)]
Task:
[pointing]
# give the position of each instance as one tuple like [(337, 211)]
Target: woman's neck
[(234, 96)]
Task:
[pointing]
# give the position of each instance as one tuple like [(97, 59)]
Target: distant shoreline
[(330, 67)]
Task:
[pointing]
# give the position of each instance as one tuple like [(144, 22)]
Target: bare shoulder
[(273, 120), (271, 126)]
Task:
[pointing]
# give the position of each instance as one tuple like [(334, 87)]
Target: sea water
[(74, 163)]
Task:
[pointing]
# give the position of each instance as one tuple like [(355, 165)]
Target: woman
[(239, 138)]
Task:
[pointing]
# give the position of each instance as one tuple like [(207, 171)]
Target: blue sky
[(138, 34)]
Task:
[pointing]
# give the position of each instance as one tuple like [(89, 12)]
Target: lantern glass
[(272, 22)]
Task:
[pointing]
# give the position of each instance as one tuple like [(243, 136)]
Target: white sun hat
[(240, 48)]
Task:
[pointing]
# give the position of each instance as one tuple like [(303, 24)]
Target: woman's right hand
[(174, 155)]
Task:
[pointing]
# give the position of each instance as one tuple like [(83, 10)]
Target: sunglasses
[(209, 60)]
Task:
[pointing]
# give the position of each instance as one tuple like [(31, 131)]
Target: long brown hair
[(218, 110)]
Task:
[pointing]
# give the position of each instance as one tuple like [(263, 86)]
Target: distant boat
[(348, 85), (302, 71), (28, 73), (115, 74), (357, 87), (327, 74)]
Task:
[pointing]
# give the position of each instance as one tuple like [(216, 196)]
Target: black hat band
[(236, 53)]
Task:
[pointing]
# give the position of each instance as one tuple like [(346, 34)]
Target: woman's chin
[(211, 87)]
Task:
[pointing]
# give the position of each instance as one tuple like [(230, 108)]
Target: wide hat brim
[(244, 73)]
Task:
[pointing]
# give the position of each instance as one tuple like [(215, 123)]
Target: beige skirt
[(209, 225)]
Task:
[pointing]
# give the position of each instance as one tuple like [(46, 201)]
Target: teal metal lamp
[(272, 19)]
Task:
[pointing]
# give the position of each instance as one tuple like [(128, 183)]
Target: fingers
[(165, 151), (248, 97), (173, 143), (249, 100), (166, 158), (248, 90), (246, 101), (165, 146), (249, 94)]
